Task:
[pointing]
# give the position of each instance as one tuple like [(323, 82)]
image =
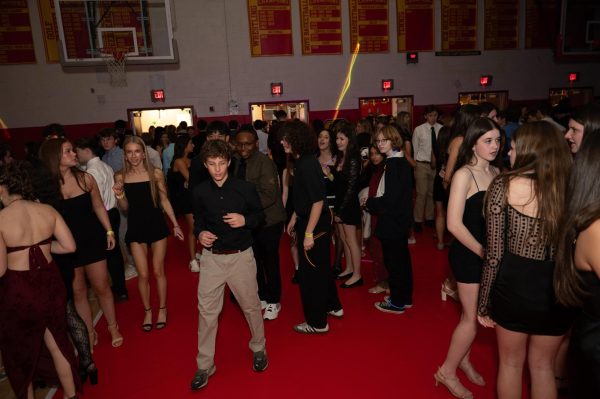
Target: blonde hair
[(146, 164)]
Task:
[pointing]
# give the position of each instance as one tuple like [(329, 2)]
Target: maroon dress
[(32, 301)]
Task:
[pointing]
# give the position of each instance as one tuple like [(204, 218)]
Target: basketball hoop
[(115, 64)]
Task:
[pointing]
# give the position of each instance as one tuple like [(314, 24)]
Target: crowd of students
[(523, 216)]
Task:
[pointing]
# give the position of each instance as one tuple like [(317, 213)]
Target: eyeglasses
[(381, 141)]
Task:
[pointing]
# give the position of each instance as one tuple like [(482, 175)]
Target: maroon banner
[(540, 24), (459, 25), (369, 26), (270, 23), (16, 40), (416, 25), (501, 24), (77, 39), (321, 24)]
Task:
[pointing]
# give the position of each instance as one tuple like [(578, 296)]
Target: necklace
[(13, 201)]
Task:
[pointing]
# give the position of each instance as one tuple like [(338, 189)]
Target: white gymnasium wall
[(216, 66)]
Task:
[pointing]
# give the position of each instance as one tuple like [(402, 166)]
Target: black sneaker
[(260, 361), (201, 378), (387, 307)]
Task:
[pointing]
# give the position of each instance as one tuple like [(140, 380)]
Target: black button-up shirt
[(212, 202)]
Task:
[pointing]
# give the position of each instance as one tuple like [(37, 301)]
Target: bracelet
[(120, 196), (176, 227), (308, 235), (110, 233)]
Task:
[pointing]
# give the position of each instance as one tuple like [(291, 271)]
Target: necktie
[(433, 148), (241, 172)]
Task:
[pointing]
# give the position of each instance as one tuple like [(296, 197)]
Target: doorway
[(390, 106), (142, 118), (294, 109)]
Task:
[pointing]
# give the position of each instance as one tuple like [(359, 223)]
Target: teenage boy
[(255, 167), (226, 209), (423, 140)]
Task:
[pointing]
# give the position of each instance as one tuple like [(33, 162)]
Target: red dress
[(32, 301)]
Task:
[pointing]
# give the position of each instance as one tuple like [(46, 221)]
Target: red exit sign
[(276, 89), (157, 96), (387, 84)]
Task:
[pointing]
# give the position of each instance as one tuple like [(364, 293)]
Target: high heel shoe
[(357, 283), (472, 374), (161, 324), (91, 371), (448, 292), (147, 327), (117, 338), (453, 385)]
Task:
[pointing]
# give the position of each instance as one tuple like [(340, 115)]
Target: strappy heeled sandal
[(472, 374), (117, 338), (161, 324), (453, 385), (147, 327)]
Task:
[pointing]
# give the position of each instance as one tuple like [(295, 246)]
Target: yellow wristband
[(308, 235), (120, 196), (110, 233)]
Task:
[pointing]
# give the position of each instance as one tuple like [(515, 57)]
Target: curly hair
[(15, 176), (215, 149), (299, 136)]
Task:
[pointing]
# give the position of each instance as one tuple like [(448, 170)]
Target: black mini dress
[(146, 222)]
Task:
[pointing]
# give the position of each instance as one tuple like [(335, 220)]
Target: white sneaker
[(198, 255), (263, 305), (272, 311), (194, 266), (412, 240), (130, 272), (337, 313)]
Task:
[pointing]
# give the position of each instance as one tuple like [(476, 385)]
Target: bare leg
[(560, 364), (82, 305), (541, 355), (140, 257), (98, 275), (191, 238), (440, 223), (353, 255), (63, 368), (348, 269), (512, 348), (159, 250)]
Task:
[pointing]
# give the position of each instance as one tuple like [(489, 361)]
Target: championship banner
[(321, 24), (459, 25), (540, 24), (369, 26), (270, 23), (16, 39), (416, 25), (49, 30), (501, 24)]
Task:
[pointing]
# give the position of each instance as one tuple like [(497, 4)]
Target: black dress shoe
[(201, 378), (357, 283), (259, 361), (344, 276)]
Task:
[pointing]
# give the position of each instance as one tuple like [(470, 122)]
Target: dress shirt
[(114, 158), (263, 139), (421, 141), (167, 157), (104, 176), (212, 202), (154, 157)]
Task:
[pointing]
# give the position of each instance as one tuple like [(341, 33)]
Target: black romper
[(146, 222), (465, 264), (516, 287)]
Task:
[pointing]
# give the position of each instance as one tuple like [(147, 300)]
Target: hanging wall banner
[(321, 23), (49, 30), (501, 24), (540, 24), (16, 40), (369, 26), (270, 23), (459, 25), (416, 25)]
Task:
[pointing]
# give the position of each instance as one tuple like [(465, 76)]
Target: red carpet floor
[(365, 354)]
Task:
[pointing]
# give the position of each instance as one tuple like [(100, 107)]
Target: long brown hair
[(542, 155), (51, 153), (582, 209), (146, 164)]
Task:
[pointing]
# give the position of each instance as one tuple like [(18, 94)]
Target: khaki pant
[(424, 201), (238, 271)]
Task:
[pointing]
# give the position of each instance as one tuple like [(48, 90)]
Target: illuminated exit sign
[(157, 96)]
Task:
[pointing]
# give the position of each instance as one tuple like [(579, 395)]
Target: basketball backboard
[(89, 29)]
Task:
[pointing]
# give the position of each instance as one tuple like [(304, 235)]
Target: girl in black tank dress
[(477, 157), (140, 190), (181, 197), (523, 211), (84, 212)]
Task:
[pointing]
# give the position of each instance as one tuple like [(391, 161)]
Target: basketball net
[(115, 61)]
